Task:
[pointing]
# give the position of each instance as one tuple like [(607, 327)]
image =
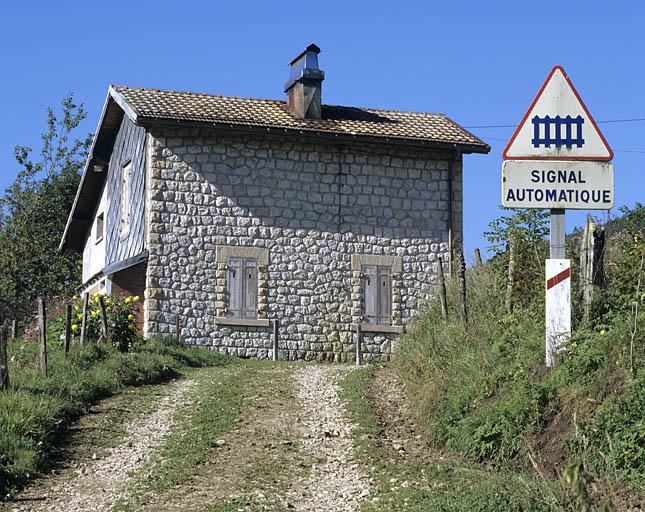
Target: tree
[(34, 211), (518, 242)]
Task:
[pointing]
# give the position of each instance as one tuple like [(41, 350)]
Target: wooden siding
[(130, 146)]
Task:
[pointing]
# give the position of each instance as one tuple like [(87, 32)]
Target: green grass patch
[(484, 392), (447, 484), (36, 411)]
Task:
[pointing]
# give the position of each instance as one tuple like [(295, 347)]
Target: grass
[(36, 412), (222, 398), (446, 484), (484, 393)]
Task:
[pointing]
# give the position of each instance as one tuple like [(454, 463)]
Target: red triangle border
[(584, 107)]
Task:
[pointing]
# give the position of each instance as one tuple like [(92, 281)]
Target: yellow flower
[(135, 298), (128, 300), (94, 313), (131, 327), (602, 333), (74, 327), (130, 317), (77, 307), (75, 297), (79, 316)]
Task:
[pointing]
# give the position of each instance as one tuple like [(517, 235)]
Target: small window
[(377, 294), (242, 287), (99, 227), (126, 183)]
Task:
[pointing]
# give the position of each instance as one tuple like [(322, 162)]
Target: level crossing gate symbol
[(543, 125)]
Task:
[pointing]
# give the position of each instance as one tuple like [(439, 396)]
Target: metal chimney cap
[(305, 67), (312, 48)]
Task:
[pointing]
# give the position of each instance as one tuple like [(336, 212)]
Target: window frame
[(222, 255), (395, 265), (100, 221), (373, 292), (242, 287)]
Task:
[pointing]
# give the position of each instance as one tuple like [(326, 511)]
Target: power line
[(615, 150), (632, 120)]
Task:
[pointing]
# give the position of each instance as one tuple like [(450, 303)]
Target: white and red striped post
[(558, 306)]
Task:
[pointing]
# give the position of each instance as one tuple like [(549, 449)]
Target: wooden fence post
[(14, 329), (442, 290), (598, 277), (510, 278), (478, 257), (462, 288), (105, 332), (4, 361), (592, 249), (585, 279), (358, 344), (68, 329), (86, 300), (275, 340), (42, 336)]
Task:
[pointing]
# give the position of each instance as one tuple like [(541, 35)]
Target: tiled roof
[(414, 127)]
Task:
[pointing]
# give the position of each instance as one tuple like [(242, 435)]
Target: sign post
[(557, 159)]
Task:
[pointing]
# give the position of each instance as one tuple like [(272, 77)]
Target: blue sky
[(478, 62)]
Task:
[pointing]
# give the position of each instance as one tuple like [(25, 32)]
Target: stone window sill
[(392, 329), (247, 322)]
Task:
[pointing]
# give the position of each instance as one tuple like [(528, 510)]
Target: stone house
[(226, 214)]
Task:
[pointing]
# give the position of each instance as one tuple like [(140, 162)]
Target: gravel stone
[(338, 484)]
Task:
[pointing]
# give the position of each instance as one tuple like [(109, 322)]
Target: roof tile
[(417, 127)]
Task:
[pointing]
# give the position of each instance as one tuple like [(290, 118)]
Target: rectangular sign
[(558, 306), (576, 185)]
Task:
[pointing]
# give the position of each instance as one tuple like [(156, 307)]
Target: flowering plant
[(121, 318)]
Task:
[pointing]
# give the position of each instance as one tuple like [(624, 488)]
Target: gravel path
[(337, 482), (96, 487)]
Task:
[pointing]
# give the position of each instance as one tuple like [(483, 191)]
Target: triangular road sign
[(557, 126)]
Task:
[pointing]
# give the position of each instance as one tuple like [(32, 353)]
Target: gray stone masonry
[(309, 206)]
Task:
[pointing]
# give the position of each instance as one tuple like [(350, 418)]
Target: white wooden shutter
[(250, 288), (234, 280), (384, 296), (370, 293)]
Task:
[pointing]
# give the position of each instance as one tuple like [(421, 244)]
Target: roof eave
[(341, 137), (120, 101)]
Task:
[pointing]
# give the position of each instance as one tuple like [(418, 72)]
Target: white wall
[(93, 252)]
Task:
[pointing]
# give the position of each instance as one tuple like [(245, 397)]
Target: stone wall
[(311, 206)]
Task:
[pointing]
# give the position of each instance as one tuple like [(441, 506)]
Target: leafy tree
[(34, 211), (525, 230)]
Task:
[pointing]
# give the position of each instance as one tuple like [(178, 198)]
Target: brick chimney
[(305, 85)]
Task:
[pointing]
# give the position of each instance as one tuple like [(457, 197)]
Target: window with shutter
[(242, 287), (377, 295), (100, 223)]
